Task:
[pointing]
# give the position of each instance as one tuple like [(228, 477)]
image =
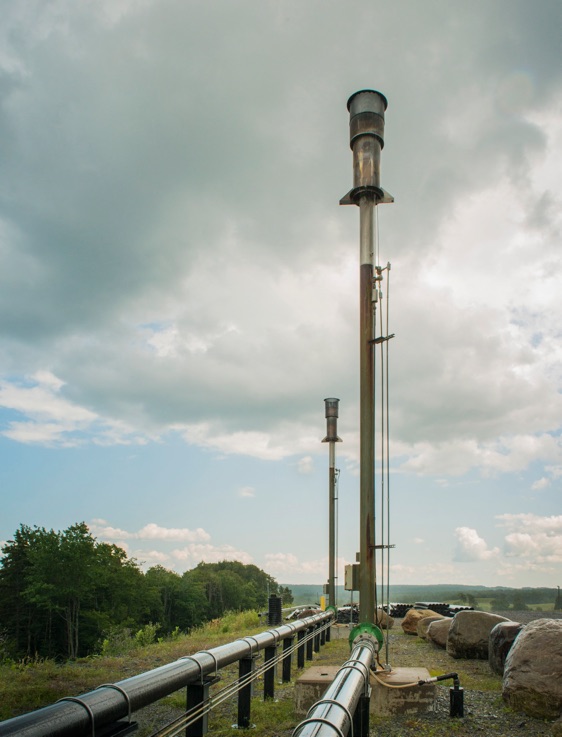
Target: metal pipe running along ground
[(107, 704), (333, 714)]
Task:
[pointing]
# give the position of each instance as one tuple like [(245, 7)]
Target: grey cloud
[(175, 142)]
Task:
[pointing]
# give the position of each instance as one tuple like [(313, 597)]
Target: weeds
[(35, 682)]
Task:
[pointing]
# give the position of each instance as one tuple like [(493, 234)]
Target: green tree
[(286, 595), (500, 603), (519, 602), (19, 617), (471, 600), (231, 585), (59, 591), (61, 577), (167, 585)]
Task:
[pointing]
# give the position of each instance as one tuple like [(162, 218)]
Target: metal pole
[(367, 572), (366, 109), (331, 404)]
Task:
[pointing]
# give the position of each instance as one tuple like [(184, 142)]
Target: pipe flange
[(366, 632)]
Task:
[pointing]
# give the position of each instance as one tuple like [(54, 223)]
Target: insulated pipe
[(333, 714), (108, 704), (331, 406)]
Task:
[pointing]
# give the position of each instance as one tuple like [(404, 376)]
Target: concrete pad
[(415, 699), (312, 685), (339, 632)]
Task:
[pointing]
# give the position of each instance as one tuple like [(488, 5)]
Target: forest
[(62, 594)]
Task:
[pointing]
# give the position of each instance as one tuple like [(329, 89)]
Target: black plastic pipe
[(86, 714)]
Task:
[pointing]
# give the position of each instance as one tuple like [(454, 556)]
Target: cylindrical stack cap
[(366, 138), (331, 404)]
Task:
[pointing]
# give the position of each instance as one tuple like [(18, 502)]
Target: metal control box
[(351, 579)]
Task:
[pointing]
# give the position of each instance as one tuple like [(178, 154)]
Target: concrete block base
[(339, 632), (312, 685), (387, 701)]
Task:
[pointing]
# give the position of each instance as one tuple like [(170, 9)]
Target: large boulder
[(501, 639), (438, 631), (413, 616), (424, 622), (469, 633), (532, 679), (383, 620)]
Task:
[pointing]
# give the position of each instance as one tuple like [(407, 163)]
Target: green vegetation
[(33, 683), (64, 595)]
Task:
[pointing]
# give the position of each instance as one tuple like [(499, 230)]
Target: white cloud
[(534, 538), (252, 443), (199, 545), (291, 568), (40, 397), (150, 531), (148, 558), (51, 419), (533, 522), (193, 554), (155, 532), (456, 457), (305, 465), (541, 484), (247, 492), (471, 547)]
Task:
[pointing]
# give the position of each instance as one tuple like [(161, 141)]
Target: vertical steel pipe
[(366, 125), (331, 407), (367, 574)]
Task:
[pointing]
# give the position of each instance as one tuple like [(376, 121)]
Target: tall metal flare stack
[(366, 125), (331, 404)]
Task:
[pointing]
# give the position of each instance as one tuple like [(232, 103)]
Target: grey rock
[(501, 639), (438, 631), (469, 633), (532, 680), (413, 616), (383, 620), (424, 623)]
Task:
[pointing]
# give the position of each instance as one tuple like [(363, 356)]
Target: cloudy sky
[(179, 286)]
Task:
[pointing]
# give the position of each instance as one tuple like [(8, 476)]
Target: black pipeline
[(106, 705)]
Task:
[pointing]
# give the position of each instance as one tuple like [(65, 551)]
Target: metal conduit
[(86, 714), (333, 714)]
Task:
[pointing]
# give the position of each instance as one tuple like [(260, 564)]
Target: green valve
[(366, 631)]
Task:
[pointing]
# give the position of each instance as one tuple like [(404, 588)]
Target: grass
[(30, 685)]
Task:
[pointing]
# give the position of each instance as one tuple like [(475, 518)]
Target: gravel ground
[(484, 710)]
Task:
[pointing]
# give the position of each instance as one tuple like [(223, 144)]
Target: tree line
[(516, 599), (61, 593)]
